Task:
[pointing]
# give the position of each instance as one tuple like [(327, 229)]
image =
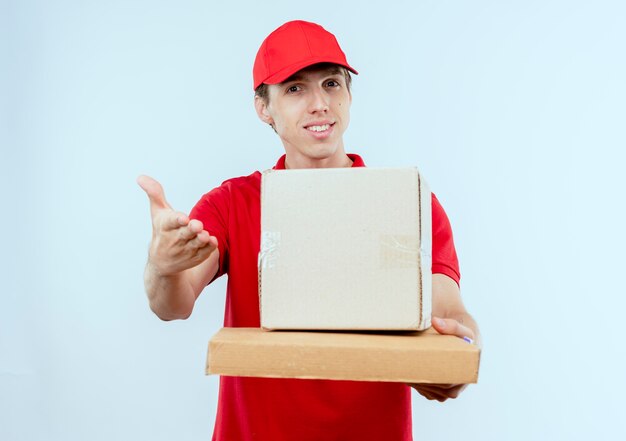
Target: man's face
[(310, 111)]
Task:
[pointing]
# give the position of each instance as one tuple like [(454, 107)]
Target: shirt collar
[(357, 161)]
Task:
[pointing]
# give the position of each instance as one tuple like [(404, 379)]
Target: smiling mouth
[(320, 128)]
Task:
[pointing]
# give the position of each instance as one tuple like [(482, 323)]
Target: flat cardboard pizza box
[(408, 357), (345, 249)]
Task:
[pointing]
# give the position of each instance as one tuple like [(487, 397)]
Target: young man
[(302, 85)]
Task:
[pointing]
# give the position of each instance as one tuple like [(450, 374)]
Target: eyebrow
[(299, 77)]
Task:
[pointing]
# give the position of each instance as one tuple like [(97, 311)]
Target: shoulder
[(219, 199), (250, 182), (243, 182)]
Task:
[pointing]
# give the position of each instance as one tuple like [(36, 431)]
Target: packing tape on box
[(399, 251), (396, 251), (426, 255), (270, 243)]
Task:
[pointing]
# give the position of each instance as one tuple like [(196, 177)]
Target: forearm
[(171, 297), (447, 304)]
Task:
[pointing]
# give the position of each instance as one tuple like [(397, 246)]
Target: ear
[(262, 111)]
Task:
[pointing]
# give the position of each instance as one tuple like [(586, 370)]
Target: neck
[(337, 160)]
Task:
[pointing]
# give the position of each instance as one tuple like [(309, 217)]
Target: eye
[(293, 89), (333, 83)]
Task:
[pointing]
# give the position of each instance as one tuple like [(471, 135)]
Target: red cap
[(294, 46)]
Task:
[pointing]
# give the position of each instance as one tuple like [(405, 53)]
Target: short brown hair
[(263, 91)]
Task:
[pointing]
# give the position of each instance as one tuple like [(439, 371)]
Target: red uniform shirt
[(292, 409)]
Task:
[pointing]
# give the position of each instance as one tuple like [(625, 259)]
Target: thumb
[(155, 193), (450, 326)]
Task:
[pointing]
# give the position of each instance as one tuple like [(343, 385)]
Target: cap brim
[(288, 71)]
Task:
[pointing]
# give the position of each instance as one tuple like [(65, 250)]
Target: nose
[(318, 100)]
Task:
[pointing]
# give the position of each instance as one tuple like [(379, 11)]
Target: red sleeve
[(445, 260), (213, 211)]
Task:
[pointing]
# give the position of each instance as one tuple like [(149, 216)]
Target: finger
[(442, 392), (451, 326), (172, 220), (193, 228), (201, 247), (456, 391), (431, 395), (449, 390), (155, 193), (213, 241), (203, 240), (432, 388), (438, 386)]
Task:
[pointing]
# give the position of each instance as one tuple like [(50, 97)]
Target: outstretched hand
[(442, 392), (178, 243)]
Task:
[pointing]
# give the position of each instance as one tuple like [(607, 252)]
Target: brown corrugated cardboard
[(345, 249), (408, 357)]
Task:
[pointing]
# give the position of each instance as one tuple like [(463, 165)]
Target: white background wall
[(515, 111)]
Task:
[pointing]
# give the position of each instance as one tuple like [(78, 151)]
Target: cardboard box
[(345, 249), (408, 357)]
